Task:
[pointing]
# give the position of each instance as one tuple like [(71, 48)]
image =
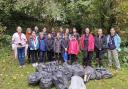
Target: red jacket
[(73, 47), (90, 42)]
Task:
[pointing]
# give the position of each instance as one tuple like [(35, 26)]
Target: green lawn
[(13, 77)]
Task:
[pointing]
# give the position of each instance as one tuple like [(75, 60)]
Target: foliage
[(78, 13)]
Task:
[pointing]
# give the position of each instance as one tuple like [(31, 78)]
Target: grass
[(13, 77)]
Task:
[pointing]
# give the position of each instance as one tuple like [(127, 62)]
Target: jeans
[(21, 55), (42, 56), (113, 54)]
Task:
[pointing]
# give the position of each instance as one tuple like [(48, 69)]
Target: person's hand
[(66, 49)]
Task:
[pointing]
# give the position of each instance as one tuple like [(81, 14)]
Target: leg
[(32, 55), (23, 55), (19, 56), (110, 57), (85, 58), (97, 58), (41, 56), (36, 53), (115, 56), (90, 54)]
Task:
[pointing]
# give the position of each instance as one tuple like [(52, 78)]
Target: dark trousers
[(99, 57), (21, 55), (88, 58), (58, 56), (50, 55), (73, 58), (42, 56), (28, 54), (34, 56)]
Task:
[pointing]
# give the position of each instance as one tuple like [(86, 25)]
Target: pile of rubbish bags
[(53, 74)]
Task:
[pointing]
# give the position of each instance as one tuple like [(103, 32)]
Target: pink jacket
[(73, 47), (90, 42)]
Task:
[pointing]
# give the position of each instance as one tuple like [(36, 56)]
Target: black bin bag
[(33, 79)]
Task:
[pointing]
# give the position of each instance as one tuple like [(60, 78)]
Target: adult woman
[(87, 45), (28, 34), (19, 45), (113, 43), (100, 47)]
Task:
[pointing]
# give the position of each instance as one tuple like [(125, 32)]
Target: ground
[(13, 77)]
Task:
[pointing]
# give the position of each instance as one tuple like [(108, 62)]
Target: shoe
[(33, 64), (20, 66)]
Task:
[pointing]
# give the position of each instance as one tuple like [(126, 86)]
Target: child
[(34, 45), (64, 46), (57, 48), (73, 49), (42, 47), (50, 47), (19, 46), (100, 47)]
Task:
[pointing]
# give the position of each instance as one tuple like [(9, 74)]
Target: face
[(58, 34), (74, 29), (67, 30), (19, 29), (36, 28), (87, 31), (49, 36), (100, 32), (33, 33), (41, 35), (61, 29), (29, 30), (44, 29), (112, 31)]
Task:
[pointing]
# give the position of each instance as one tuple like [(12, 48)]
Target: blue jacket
[(42, 45), (31, 44), (117, 41)]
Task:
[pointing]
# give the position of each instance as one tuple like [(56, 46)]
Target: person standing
[(113, 43), (42, 48), (19, 45), (76, 34), (34, 46), (87, 45), (50, 47), (73, 49), (28, 34), (64, 47), (100, 47), (57, 48)]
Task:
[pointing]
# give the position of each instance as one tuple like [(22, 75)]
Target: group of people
[(65, 45)]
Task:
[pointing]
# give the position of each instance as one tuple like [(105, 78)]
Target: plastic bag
[(60, 80), (78, 70), (77, 83), (34, 78), (65, 56)]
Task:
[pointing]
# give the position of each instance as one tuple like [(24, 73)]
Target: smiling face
[(67, 30)]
